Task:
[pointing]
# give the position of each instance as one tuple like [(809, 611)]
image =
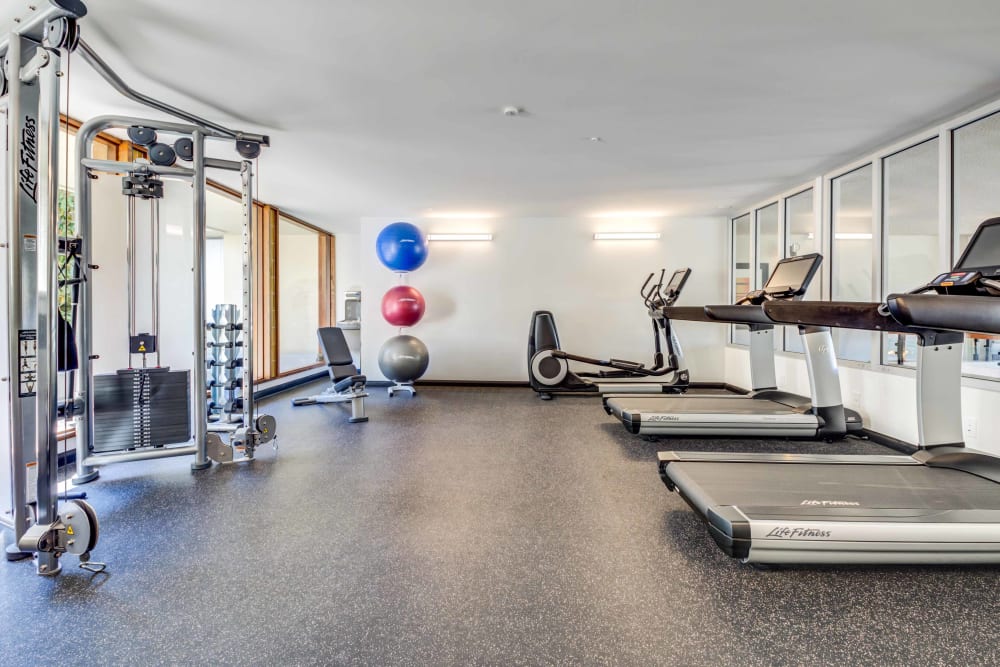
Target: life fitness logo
[(789, 533)]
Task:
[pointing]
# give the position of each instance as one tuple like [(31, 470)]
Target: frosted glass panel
[(976, 149), (800, 239), (911, 237), (298, 296), (742, 280), (851, 200)]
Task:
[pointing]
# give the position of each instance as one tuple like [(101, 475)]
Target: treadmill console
[(956, 279), (978, 269), (789, 280)]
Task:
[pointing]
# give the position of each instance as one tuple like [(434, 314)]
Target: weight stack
[(141, 407)]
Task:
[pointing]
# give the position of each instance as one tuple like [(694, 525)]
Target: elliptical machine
[(548, 365)]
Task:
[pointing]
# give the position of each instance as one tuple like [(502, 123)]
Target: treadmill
[(765, 411), (941, 504)]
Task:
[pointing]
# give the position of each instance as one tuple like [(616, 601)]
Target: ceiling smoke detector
[(512, 111)]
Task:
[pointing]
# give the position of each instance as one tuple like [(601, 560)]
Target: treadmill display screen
[(984, 251), (792, 273)]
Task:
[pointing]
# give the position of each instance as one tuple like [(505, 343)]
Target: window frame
[(948, 240)]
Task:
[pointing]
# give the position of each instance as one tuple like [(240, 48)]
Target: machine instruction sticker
[(27, 362), (31, 483), (30, 243)]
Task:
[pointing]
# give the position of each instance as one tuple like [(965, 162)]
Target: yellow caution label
[(142, 347), (69, 530)]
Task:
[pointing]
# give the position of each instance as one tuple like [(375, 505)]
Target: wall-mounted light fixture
[(626, 236), (459, 215), (459, 237), (628, 215)]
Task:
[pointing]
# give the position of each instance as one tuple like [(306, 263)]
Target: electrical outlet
[(971, 428), (855, 398)]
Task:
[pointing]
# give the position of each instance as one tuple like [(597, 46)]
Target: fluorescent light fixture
[(853, 236), (470, 215), (626, 236), (629, 214), (459, 237)]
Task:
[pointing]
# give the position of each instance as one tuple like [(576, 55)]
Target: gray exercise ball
[(403, 358)]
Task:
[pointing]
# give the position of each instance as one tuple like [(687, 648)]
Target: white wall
[(348, 267), (886, 398), (480, 295)]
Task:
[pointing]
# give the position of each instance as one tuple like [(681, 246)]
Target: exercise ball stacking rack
[(402, 248)]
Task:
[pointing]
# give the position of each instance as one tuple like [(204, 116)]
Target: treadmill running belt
[(827, 487)]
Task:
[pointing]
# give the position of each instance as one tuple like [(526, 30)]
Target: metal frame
[(31, 189), (86, 461)]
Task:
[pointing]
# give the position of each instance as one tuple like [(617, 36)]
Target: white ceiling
[(392, 107)]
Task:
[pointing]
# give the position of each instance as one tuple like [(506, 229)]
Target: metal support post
[(247, 320), (199, 408), (22, 216), (46, 404)]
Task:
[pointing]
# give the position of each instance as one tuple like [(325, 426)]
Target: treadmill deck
[(733, 416), (842, 513)]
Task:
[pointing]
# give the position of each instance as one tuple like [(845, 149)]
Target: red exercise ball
[(403, 306)]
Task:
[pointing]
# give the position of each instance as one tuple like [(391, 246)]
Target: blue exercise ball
[(401, 247)]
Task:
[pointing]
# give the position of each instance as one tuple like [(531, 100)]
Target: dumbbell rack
[(225, 365)]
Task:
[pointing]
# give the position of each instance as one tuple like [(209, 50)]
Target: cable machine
[(46, 340), (139, 399)]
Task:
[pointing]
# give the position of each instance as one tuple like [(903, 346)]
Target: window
[(800, 239), (223, 250), (910, 237), (976, 155), (742, 280), (768, 243), (298, 296), (852, 254)]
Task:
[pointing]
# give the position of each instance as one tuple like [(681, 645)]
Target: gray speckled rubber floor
[(465, 526)]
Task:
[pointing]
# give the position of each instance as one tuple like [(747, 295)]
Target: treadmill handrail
[(686, 313), (866, 316), (980, 314), (739, 314)]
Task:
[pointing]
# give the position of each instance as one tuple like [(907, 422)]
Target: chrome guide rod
[(85, 319)]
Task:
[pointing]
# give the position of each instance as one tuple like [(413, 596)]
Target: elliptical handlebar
[(646, 298)]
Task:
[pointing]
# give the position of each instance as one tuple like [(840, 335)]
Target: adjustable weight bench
[(346, 384)]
